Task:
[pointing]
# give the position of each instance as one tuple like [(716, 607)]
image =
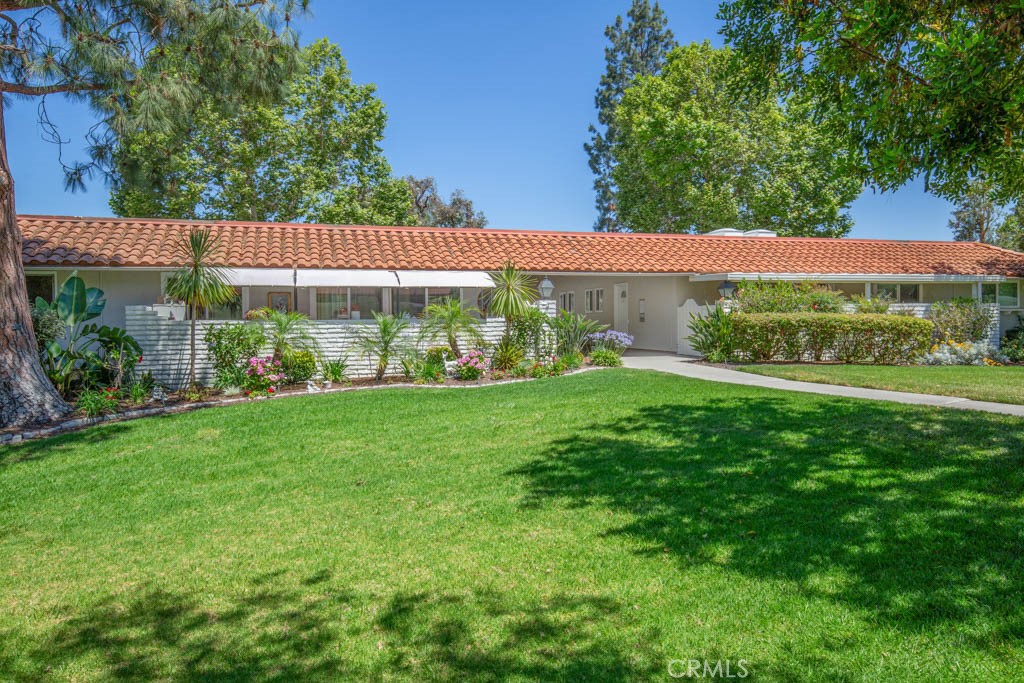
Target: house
[(644, 284)]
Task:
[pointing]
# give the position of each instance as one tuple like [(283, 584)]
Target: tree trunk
[(26, 394), (192, 350)]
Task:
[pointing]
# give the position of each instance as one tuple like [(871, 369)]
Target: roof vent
[(727, 232), (760, 233)]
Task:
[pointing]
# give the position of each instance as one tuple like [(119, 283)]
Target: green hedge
[(879, 339)]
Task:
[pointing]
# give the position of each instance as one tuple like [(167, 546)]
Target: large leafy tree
[(429, 206), (638, 46), (922, 87), (314, 157), (980, 217), (138, 64), (692, 156)]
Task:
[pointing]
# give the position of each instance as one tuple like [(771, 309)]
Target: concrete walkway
[(681, 365)]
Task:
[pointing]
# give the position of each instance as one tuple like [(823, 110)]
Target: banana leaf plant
[(79, 356)]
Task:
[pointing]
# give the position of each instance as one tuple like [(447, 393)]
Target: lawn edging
[(79, 423)]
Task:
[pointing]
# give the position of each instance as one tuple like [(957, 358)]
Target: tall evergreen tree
[(638, 47), (139, 64)]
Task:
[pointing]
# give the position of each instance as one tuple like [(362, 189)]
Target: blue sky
[(491, 97)]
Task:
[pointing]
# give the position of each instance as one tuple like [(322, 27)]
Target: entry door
[(621, 307)]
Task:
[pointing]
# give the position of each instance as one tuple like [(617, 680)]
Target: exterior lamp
[(546, 288), (726, 289)]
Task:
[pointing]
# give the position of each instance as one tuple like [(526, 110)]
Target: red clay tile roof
[(84, 242)]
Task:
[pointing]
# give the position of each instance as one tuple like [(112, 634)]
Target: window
[(40, 286), (365, 302), (905, 293), (332, 303), (436, 294), (411, 300), (598, 300), (567, 301), (232, 310), (593, 300), (1003, 293)]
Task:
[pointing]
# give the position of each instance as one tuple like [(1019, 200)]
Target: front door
[(621, 307)]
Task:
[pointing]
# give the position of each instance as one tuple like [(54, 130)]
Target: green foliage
[(430, 208), (231, 345), (97, 402), (287, 332), (572, 332), (764, 296), (916, 87), (90, 354), (876, 305), (508, 355), (336, 370), (383, 340), (693, 156), (606, 358), (299, 366), (439, 354), (531, 332), (138, 393), (637, 47), (514, 291), (47, 324), (313, 157), (572, 361), (712, 334), (449, 319), (960, 320), (878, 339)]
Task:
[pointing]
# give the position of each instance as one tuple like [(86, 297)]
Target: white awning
[(257, 277), (444, 278), (327, 277)]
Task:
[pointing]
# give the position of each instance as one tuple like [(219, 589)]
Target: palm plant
[(384, 339), (449, 318), (288, 331), (572, 332), (198, 283), (514, 291)]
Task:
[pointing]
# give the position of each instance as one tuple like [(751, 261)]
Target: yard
[(981, 383), (591, 527)]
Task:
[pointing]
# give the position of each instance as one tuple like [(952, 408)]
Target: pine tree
[(140, 65), (638, 47)]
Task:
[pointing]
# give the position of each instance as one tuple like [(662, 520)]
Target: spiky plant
[(384, 339), (199, 283), (287, 333), (448, 319), (514, 291)]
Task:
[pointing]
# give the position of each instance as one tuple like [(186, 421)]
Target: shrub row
[(871, 338)]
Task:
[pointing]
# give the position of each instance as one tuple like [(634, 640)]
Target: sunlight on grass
[(581, 528)]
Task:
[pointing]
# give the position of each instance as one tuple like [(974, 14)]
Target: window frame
[(52, 274), (588, 301), (567, 301), (599, 300), (998, 295)]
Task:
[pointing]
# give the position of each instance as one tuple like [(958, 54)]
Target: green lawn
[(590, 527), (982, 383)]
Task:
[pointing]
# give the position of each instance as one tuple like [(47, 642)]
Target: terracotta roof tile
[(71, 241)]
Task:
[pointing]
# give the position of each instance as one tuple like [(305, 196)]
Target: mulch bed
[(175, 403)]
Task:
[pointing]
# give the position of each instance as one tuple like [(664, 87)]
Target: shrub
[(879, 339), (507, 355), (48, 325), (472, 366), (336, 370), (438, 354), (574, 332), (532, 333), (138, 393), (759, 296), (877, 305), (572, 361), (712, 334), (612, 340), (961, 320), (951, 352), (299, 366), (1013, 343), (262, 376), (606, 358), (548, 367), (231, 346), (96, 402), (431, 371)]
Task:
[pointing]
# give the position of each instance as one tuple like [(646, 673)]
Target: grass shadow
[(913, 516)]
